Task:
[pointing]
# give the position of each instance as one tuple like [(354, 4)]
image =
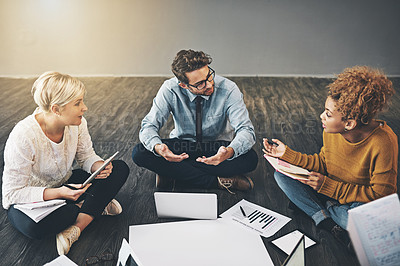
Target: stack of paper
[(38, 210)]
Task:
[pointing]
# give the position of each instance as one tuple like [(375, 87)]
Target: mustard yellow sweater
[(362, 171)]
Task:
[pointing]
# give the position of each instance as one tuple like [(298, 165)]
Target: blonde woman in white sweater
[(38, 159)]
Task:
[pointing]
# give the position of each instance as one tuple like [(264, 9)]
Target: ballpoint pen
[(241, 209), (272, 143)]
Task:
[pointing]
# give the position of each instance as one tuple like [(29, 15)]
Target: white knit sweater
[(32, 162)]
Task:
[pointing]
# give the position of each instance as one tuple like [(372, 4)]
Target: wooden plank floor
[(284, 108)]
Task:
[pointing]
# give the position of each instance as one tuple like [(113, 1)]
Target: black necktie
[(199, 134)]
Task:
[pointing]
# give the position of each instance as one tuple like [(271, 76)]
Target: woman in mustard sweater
[(358, 160)]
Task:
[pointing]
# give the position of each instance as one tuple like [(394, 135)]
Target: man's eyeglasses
[(202, 84), (107, 256)]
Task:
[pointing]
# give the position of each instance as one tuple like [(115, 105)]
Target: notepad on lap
[(186, 205), (288, 169)]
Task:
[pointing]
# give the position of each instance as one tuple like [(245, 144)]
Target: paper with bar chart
[(256, 218)]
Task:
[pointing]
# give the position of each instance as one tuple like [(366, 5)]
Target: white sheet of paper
[(287, 242), (61, 261), (197, 243), (259, 219), (374, 229)]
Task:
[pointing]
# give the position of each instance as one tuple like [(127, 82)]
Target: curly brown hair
[(188, 61), (360, 93)]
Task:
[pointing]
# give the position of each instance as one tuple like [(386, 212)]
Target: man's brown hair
[(188, 61)]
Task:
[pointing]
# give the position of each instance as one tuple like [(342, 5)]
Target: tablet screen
[(95, 173)]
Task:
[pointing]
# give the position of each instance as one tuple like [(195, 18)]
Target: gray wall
[(254, 37)]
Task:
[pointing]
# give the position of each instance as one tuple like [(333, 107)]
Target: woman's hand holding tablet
[(101, 168)]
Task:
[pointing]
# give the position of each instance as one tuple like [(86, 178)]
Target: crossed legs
[(189, 171)]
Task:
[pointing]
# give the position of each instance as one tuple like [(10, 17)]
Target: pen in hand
[(241, 209), (74, 188), (272, 143)]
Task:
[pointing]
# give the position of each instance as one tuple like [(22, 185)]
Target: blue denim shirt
[(224, 116)]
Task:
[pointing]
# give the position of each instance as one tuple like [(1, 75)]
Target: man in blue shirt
[(215, 154)]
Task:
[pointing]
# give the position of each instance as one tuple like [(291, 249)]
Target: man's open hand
[(222, 154), (164, 151)]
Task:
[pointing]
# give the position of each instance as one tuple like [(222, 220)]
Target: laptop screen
[(297, 257), (186, 205)]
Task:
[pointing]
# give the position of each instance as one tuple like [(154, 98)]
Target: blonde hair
[(55, 88)]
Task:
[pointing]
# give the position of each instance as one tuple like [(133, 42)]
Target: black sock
[(327, 224)]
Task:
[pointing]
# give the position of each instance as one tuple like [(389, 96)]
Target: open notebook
[(288, 169)]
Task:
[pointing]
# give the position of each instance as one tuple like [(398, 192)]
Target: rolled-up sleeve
[(155, 119), (85, 154), (239, 119)]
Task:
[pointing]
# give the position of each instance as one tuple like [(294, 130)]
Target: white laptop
[(186, 205), (297, 257), (126, 256)]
